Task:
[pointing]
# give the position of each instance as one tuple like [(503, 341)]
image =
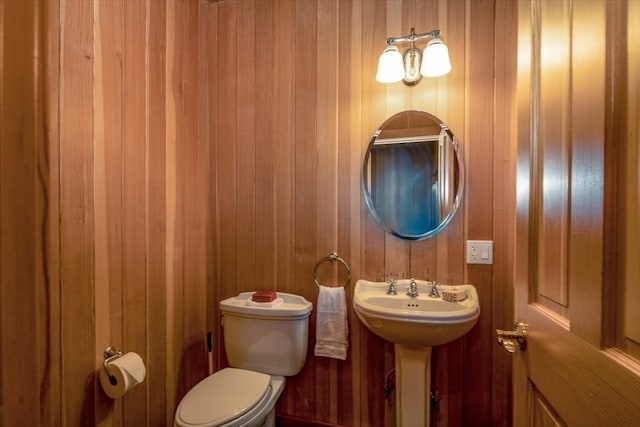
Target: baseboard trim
[(289, 421)]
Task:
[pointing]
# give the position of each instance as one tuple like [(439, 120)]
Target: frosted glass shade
[(435, 60), (390, 65)]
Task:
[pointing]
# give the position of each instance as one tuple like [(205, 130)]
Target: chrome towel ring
[(333, 258)]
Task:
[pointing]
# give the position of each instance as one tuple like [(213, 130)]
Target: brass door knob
[(514, 340)]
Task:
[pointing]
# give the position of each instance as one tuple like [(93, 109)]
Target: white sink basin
[(415, 322), (414, 325)]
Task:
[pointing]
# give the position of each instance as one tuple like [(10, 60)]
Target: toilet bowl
[(263, 343), (231, 397)]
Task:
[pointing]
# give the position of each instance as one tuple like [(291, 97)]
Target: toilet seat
[(226, 396)]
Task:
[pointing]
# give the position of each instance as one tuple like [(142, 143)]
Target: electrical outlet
[(479, 252)]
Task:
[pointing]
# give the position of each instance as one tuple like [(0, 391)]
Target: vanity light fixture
[(410, 67)]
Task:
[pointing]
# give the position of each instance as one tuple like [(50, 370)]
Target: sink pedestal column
[(413, 386)]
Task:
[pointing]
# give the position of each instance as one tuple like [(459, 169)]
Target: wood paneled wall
[(158, 156), (104, 206), (295, 104)]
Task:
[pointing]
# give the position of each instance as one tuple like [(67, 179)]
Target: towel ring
[(333, 258)]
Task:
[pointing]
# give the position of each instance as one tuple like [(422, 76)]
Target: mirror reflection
[(412, 175)]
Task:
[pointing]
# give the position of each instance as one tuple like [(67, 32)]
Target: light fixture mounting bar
[(413, 36)]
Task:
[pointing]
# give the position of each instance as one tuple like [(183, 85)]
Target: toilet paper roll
[(125, 372)]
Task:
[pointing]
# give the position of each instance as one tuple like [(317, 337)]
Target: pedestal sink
[(414, 324)]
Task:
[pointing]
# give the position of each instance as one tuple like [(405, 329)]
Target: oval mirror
[(412, 175)]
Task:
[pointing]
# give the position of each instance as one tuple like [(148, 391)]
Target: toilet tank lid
[(292, 306), (222, 397)]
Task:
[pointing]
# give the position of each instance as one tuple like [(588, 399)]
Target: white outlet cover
[(479, 252)]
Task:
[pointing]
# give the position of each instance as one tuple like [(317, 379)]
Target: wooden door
[(576, 274)]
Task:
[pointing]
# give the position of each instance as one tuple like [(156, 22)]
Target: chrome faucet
[(413, 289), (392, 287), (434, 290)]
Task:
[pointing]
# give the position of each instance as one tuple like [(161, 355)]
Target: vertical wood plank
[(134, 332), (326, 205), (453, 101), (247, 138), (2, 61), (214, 271), (373, 115), (226, 170), (203, 167), (195, 191), (375, 365), (156, 216), (181, 212), (76, 214), (284, 121), (265, 107), (479, 154), (448, 361), (20, 223), (398, 94), (50, 387), (108, 18), (173, 351), (348, 169), (227, 153), (351, 138), (305, 187)]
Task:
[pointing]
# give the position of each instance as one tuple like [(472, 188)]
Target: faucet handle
[(392, 287), (434, 293)]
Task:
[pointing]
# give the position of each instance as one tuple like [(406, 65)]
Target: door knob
[(515, 340)]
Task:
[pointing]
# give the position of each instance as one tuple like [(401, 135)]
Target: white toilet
[(264, 342)]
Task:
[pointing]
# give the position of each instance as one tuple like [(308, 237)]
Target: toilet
[(264, 343)]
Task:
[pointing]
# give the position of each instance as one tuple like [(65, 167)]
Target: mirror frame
[(458, 196)]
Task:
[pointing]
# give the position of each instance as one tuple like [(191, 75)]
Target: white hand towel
[(331, 325)]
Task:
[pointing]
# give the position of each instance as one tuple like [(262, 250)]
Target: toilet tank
[(266, 337)]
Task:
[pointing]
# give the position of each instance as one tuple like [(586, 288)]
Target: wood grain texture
[(21, 211), (213, 228), (77, 279), (198, 149), (108, 128), (170, 207), (338, 105), (587, 176), (567, 359), (554, 154), (504, 203), (134, 206), (158, 411), (101, 205), (629, 334), (479, 207)]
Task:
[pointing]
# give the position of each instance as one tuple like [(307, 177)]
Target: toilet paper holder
[(110, 354)]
